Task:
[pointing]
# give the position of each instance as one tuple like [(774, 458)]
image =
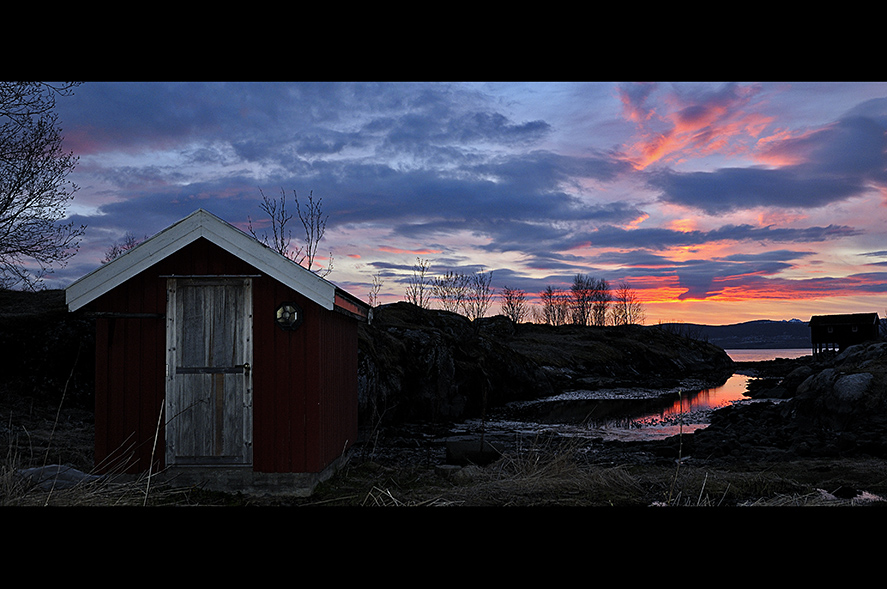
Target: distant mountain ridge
[(760, 334)]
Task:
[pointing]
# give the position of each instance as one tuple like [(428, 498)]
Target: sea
[(760, 355)]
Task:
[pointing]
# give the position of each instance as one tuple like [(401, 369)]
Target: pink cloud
[(679, 126)]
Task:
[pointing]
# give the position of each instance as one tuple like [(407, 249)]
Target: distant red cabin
[(831, 333), (220, 361)]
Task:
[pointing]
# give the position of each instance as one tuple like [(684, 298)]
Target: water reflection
[(693, 402), (636, 416), (688, 409)]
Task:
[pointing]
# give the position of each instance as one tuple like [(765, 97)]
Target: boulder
[(849, 394), (850, 389), (56, 476), (862, 355), (472, 450)]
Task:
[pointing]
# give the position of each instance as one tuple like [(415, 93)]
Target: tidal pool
[(618, 414), (628, 413)]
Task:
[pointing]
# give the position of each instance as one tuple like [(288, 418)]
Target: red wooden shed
[(220, 361)]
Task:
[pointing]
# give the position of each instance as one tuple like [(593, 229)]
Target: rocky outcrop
[(827, 409), (431, 365), (590, 357), (851, 392), (417, 365), (836, 392)]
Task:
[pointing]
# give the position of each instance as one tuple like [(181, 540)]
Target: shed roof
[(203, 224)]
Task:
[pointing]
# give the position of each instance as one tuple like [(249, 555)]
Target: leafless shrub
[(119, 248), (585, 303), (601, 298), (687, 330), (583, 297), (418, 285), (627, 307), (373, 297), (450, 290), (478, 296), (555, 306), (514, 304)]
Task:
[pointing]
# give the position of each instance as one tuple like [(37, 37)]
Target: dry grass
[(377, 497), (817, 498), (40, 437), (539, 475), (94, 493), (16, 489), (548, 474), (558, 474)]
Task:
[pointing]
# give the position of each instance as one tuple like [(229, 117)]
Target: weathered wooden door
[(209, 385)]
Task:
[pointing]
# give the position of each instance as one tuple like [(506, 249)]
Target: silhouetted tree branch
[(627, 307), (417, 284), (555, 306), (118, 248), (451, 290), (34, 191), (514, 304), (478, 295), (373, 298), (313, 223)]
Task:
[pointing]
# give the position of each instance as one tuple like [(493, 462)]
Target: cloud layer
[(719, 192)]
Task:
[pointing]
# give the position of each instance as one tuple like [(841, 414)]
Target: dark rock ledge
[(419, 365)]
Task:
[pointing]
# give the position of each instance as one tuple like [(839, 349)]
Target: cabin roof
[(202, 224), (848, 319)]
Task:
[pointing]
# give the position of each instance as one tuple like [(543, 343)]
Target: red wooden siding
[(339, 378), (304, 381), (301, 380), (130, 369)]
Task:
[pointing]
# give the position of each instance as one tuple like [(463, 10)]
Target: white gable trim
[(200, 224)]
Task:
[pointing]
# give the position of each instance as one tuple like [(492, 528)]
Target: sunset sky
[(717, 202)]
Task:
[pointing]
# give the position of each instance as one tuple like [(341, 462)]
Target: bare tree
[(34, 191), (627, 307), (118, 248), (478, 296), (313, 223), (546, 301), (514, 304), (583, 298), (601, 298), (281, 236), (375, 290), (451, 290), (555, 306), (417, 284)]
